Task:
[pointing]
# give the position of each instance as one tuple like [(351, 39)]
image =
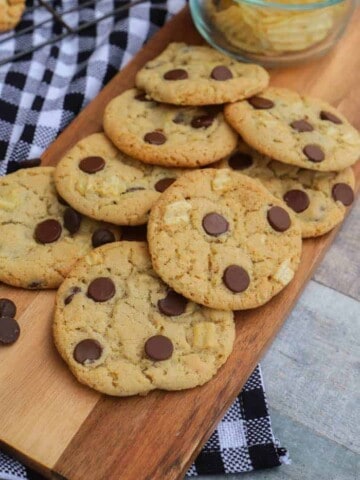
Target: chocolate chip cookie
[(222, 240), (122, 331), (318, 199), (41, 236), (198, 75), (105, 184), (167, 135), (296, 129)]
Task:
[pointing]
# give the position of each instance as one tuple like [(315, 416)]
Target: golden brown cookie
[(10, 13)]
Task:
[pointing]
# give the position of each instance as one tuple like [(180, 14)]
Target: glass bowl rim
[(291, 7)]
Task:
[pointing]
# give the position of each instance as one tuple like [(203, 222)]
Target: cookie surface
[(122, 332), (10, 13), (222, 240), (167, 135), (41, 238), (296, 129), (199, 75), (318, 199), (121, 190)]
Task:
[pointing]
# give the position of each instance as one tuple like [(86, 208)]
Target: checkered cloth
[(39, 96)]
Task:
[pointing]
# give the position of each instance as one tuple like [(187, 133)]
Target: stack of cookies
[(133, 316)]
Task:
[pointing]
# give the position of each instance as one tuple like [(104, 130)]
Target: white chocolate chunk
[(177, 212)]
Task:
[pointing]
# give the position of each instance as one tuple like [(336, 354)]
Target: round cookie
[(41, 238), (222, 240), (10, 13), (167, 135), (296, 129), (121, 190), (123, 332), (199, 75), (318, 199)]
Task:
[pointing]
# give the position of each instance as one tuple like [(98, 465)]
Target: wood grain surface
[(66, 430)]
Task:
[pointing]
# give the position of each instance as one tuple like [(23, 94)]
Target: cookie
[(198, 75), (318, 199), (103, 183), (10, 13), (296, 129), (222, 240), (167, 135), (41, 237), (123, 332)]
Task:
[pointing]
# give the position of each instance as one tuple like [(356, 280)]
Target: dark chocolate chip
[(179, 118), (203, 121), (136, 233), (343, 193), (163, 184), (215, 224), (221, 73), (61, 200), (134, 189), (101, 289), (314, 153), (101, 236), (302, 126), (72, 220), (240, 161), (260, 103), (297, 200), (236, 278), (159, 348), (73, 292), (31, 163), (87, 351), (9, 330), (176, 74), (92, 164), (330, 117), (279, 219), (155, 138), (142, 97), (173, 304), (7, 308), (34, 285), (48, 231)]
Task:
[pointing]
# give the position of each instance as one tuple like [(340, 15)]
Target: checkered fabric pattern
[(39, 96)]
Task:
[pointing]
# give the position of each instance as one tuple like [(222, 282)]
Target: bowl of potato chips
[(272, 33)]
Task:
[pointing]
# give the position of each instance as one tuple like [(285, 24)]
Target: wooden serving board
[(64, 429)]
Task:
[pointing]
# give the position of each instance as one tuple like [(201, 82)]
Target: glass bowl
[(272, 33)]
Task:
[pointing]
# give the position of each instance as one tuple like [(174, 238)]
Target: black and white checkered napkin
[(39, 96)]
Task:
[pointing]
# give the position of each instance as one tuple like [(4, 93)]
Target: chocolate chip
[(159, 348), (179, 118), (279, 219), (343, 193), (134, 189), (48, 231), (173, 304), (142, 97), (9, 330), (163, 184), (101, 289), (72, 220), (240, 161), (236, 278), (215, 224), (31, 163), (221, 73), (260, 103), (176, 74), (34, 285), (61, 200), (314, 153), (302, 126), (92, 164), (330, 117), (297, 200), (203, 121), (74, 291), (7, 308), (101, 236), (87, 351), (136, 233), (155, 138)]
